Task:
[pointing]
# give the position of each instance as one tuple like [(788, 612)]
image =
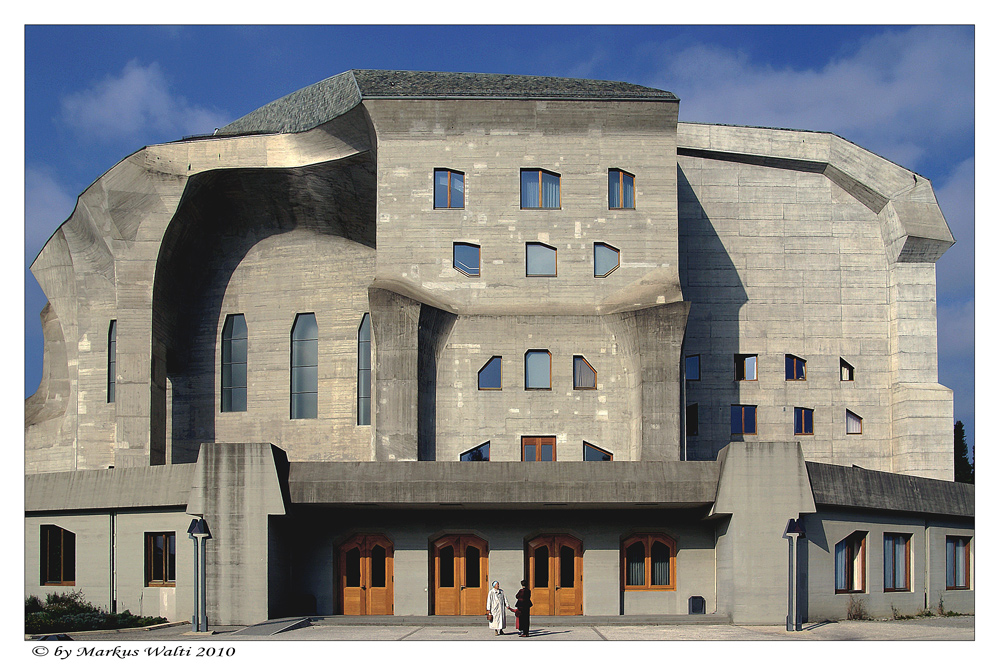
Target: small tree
[(964, 470)]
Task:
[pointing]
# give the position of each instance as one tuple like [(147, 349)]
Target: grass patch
[(70, 612)]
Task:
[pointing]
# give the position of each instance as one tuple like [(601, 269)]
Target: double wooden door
[(555, 575), (461, 575), (365, 575)]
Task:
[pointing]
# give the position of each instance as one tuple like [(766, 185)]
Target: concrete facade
[(741, 241)]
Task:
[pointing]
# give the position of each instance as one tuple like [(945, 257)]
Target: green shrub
[(70, 612)]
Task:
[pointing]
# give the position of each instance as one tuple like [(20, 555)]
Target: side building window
[(853, 423), (692, 368), (365, 370), (621, 189), (161, 559), (305, 367), (465, 258), (584, 375), (57, 553), (596, 453), (491, 375), (803, 421), (538, 449), (957, 561), (795, 368), (112, 358), (449, 189), (477, 453), (846, 371), (606, 259), (743, 419), (745, 367), (896, 562), (537, 370), (539, 260), (849, 564), (234, 364), (691, 420), (539, 189), (648, 562)]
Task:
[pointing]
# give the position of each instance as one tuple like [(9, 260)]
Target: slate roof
[(313, 105)]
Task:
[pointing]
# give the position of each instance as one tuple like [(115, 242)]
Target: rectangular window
[(896, 562), (539, 189), (853, 423), (846, 371), (57, 553), (621, 189), (112, 358), (449, 189), (692, 368), (691, 420), (746, 367), (161, 559), (465, 258), (957, 559), (537, 370), (803, 421), (365, 370), (584, 375), (539, 260), (849, 562), (595, 453), (743, 419), (795, 368), (234, 364), (539, 449)]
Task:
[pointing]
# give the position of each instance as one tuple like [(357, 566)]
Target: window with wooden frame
[(465, 258), (596, 453), (538, 449), (607, 258), (537, 370), (849, 564), (539, 189), (648, 562), (621, 189), (234, 364), (449, 189), (743, 419), (57, 555), (896, 562), (803, 421), (854, 423), (692, 368), (540, 260), (846, 371), (795, 368), (691, 420), (957, 561), (476, 453), (112, 358), (584, 375), (161, 559), (745, 366), (491, 375)]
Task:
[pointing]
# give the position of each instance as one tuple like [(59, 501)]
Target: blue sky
[(94, 95)]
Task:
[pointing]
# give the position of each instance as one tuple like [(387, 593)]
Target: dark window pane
[(171, 557), (635, 564), (457, 190), (584, 376), (68, 555), (659, 554), (628, 188), (440, 188), (466, 258), (446, 573), (546, 452), (541, 260), (304, 379), (364, 411), (736, 419), (691, 422), (567, 567), (364, 371), (305, 327), (749, 419), (472, 567), (807, 421), (490, 374), (692, 368), (157, 559), (550, 190), (304, 406), (614, 189), (537, 370), (352, 567), (530, 189), (378, 560), (593, 453), (480, 453), (542, 566), (529, 452)]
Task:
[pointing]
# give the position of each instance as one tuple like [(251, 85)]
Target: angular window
[(649, 562), (691, 420), (584, 375), (538, 449), (478, 453), (161, 559), (595, 453), (365, 371), (112, 358), (540, 260), (853, 423), (537, 370), (746, 367), (539, 189), (803, 421), (849, 564), (465, 258), (692, 368), (896, 562), (234, 364), (449, 189), (621, 189), (606, 259), (58, 556), (305, 367), (846, 371), (795, 368), (957, 562), (743, 419), (491, 374)]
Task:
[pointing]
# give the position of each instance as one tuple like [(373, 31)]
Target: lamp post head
[(199, 528), (795, 528)]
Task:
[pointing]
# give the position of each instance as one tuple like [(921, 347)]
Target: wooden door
[(555, 575), (461, 574), (366, 575)]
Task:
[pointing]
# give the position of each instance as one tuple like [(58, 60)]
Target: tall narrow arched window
[(234, 364), (365, 371), (305, 367), (112, 358)]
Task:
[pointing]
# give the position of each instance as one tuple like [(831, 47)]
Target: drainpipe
[(113, 547), (927, 564)]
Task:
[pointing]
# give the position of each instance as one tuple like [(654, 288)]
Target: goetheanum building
[(401, 333)]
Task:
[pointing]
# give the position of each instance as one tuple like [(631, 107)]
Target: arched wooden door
[(461, 575), (555, 575), (366, 575)]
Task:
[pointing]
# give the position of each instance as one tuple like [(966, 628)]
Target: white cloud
[(135, 104), (47, 204)]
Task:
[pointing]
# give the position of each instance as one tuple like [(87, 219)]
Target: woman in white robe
[(496, 605)]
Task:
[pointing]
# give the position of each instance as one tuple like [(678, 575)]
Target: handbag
[(489, 616)]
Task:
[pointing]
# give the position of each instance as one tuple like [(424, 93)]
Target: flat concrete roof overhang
[(542, 485)]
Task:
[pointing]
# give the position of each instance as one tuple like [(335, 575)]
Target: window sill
[(153, 584), (651, 588), (56, 584), (849, 592)]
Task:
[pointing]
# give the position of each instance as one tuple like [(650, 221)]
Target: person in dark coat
[(523, 606)]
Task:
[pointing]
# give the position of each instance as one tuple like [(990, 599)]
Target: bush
[(70, 612), (856, 609)]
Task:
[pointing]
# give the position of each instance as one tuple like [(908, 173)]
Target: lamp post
[(792, 532), (198, 532)]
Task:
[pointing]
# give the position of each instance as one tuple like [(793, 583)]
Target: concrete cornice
[(109, 489)]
